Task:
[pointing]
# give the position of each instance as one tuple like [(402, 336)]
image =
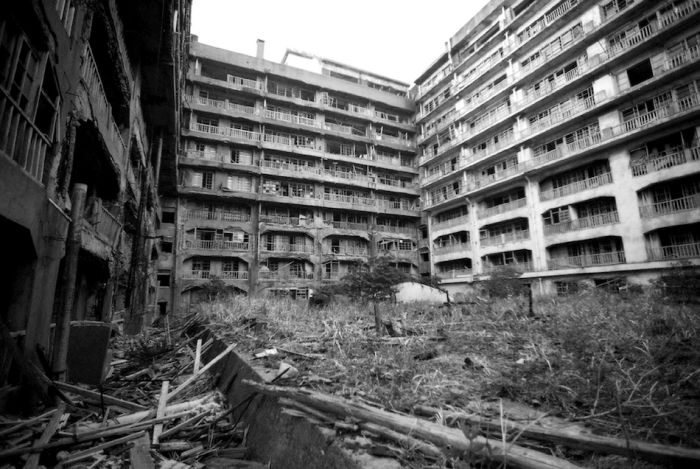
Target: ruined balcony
[(241, 134), (586, 260), (350, 200), (292, 169), (499, 175), (216, 245), (360, 251), (396, 229), (521, 267), (576, 187), (219, 104), (446, 248), (106, 226), (502, 208), (505, 238), (674, 251), (22, 141), (346, 225), (244, 83), (658, 162), (291, 118), (679, 205), (287, 248), (564, 113), (216, 215), (602, 219), (284, 220), (102, 109)]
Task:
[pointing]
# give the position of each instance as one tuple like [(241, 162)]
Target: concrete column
[(473, 228), (627, 207), (539, 251), (70, 273)]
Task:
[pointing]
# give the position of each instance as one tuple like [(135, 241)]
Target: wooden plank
[(198, 356), (140, 454), (24, 423), (206, 367), (450, 440), (49, 431), (80, 455), (106, 398), (162, 401), (671, 455), (185, 424)]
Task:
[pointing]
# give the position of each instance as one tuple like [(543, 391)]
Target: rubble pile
[(157, 408)]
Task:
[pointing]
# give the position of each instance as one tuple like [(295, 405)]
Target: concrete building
[(560, 139), (288, 174), (88, 130)]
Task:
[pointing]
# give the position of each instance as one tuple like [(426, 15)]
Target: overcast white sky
[(395, 38)]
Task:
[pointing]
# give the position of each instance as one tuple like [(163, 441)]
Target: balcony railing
[(285, 275), (226, 131), (682, 204), (454, 273), (392, 139), (20, 139), (602, 219), (525, 266), (291, 118), (587, 260), (350, 199), (290, 167), (395, 229), (659, 162), (93, 83), (578, 186), (498, 175), (346, 225), (233, 275), (219, 104), (451, 247), (198, 274), (346, 250), (216, 245), (504, 238), (218, 215), (286, 247), (674, 251), (108, 226), (502, 208), (244, 82), (290, 141), (282, 220), (439, 225)]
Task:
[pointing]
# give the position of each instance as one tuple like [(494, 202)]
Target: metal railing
[(682, 204), (286, 247), (602, 219), (216, 245), (218, 215), (587, 260), (659, 162), (20, 139), (93, 83), (578, 186), (674, 251), (226, 131), (504, 238), (502, 208)]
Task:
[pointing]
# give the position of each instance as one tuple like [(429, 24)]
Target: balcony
[(674, 251), (102, 110), (217, 215), (454, 273), (285, 275), (287, 248), (447, 248), (346, 225), (659, 162), (576, 187), (502, 208), (244, 83), (498, 176), (107, 226), (219, 104), (392, 139), (248, 135), (350, 200), (587, 260), (603, 219), (198, 275), (22, 141), (290, 168), (284, 220), (505, 238), (682, 204), (441, 225), (233, 275), (216, 245), (292, 141), (445, 196), (346, 251), (564, 113), (396, 229), (291, 118), (515, 266)]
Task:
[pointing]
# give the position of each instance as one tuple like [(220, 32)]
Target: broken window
[(640, 72)]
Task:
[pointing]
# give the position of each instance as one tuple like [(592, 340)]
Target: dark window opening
[(169, 217), (640, 73)]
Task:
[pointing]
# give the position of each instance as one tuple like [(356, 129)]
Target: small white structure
[(408, 292)]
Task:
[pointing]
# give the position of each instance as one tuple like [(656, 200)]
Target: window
[(640, 73), (207, 180), (166, 246), (201, 268), (47, 109), (168, 216), (163, 279), (66, 12)]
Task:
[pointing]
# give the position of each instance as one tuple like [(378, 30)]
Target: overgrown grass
[(626, 365)]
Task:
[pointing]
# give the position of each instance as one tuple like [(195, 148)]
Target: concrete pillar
[(70, 273), (627, 207)]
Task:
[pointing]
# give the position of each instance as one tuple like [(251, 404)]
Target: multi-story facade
[(88, 118), (288, 175), (560, 138)]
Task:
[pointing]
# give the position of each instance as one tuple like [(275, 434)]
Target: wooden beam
[(162, 401), (106, 398), (49, 431), (140, 454), (206, 367)]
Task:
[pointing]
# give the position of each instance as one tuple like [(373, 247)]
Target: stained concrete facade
[(287, 175), (560, 139), (87, 103)]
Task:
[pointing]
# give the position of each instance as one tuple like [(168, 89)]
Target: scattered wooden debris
[(134, 419)]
